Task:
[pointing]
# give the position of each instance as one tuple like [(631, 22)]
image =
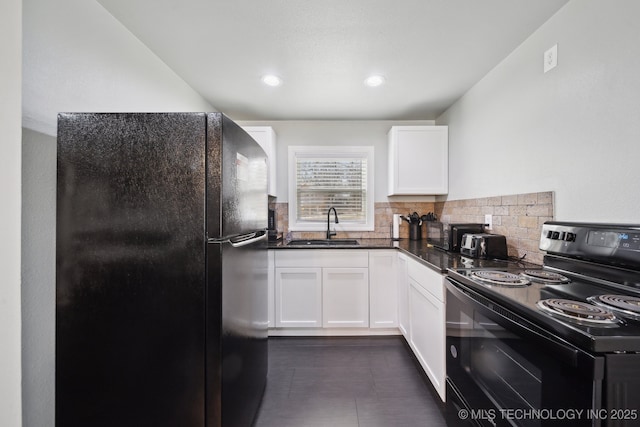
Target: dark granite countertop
[(362, 244), (434, 258)]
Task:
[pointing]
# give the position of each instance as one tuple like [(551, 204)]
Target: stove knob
[(570, 237), (555, 235)]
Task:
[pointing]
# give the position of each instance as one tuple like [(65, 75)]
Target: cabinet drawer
[(428, 279), (322, 258)]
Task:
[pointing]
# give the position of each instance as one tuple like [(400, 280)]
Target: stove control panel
[(613, 244), (561, 235)]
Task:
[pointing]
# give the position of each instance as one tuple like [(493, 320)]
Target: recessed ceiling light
[(271, 80), (374, 81)]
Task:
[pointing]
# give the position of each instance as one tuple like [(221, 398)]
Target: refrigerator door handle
[(241, 240), (248, 239)]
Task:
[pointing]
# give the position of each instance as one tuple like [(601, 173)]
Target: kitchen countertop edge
[(437, 259), (417, 249)]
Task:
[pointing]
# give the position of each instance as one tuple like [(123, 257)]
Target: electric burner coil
[(579, 312), (624, 305), (501, 278), (544, 276)]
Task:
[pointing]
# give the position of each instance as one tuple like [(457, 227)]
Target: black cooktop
[(520, 292)]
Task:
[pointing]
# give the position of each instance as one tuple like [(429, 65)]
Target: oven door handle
[(565, 353)]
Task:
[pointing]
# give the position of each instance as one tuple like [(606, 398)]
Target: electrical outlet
[(551, 58), (488, 221)]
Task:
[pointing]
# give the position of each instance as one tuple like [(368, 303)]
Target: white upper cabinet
[(266, 138), (418, 160)]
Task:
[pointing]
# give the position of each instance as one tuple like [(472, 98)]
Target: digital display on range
[(613, 240)]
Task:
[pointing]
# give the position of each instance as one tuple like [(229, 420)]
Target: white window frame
[(324, 152)]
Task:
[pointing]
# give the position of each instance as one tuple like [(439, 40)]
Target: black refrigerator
[(161, 271)]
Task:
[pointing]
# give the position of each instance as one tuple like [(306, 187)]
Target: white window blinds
[(321, 177), (326, 182)]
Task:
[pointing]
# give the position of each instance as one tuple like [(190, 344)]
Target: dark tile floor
[(346, 381)]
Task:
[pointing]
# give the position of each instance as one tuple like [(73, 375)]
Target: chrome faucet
[(329, 232)]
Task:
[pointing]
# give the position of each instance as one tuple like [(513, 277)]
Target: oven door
[(504, 371)]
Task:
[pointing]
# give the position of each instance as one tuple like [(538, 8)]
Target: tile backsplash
[(519, 217), (383, 217)]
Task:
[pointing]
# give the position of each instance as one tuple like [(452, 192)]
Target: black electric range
[(563, 336), (586, 313)]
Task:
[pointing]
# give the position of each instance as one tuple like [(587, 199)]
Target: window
[(324, 177)]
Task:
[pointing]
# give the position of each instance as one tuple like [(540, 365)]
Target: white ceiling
[(430, 51)]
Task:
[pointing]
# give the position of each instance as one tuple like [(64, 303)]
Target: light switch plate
[(551, 58), (488, 221)]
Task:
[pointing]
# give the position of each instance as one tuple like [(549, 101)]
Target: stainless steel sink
[(323, 242)]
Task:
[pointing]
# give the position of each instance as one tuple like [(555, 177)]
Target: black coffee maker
[(271, 226)]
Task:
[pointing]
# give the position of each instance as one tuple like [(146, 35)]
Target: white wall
[(363, 132), (10, 323), (38, 277), (76, 57), (573, 130)]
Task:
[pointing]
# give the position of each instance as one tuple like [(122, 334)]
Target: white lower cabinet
[(321, 289), (383, 289), (349, 291), (298, 297), (345, 297), (427, 322), (271, 287), (402, 280)]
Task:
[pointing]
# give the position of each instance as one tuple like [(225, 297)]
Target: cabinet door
[(383, 288), (271, 287), (418, 160), (403, 295), (427, 334), (266, 138), (298, 298), (345, 297)]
